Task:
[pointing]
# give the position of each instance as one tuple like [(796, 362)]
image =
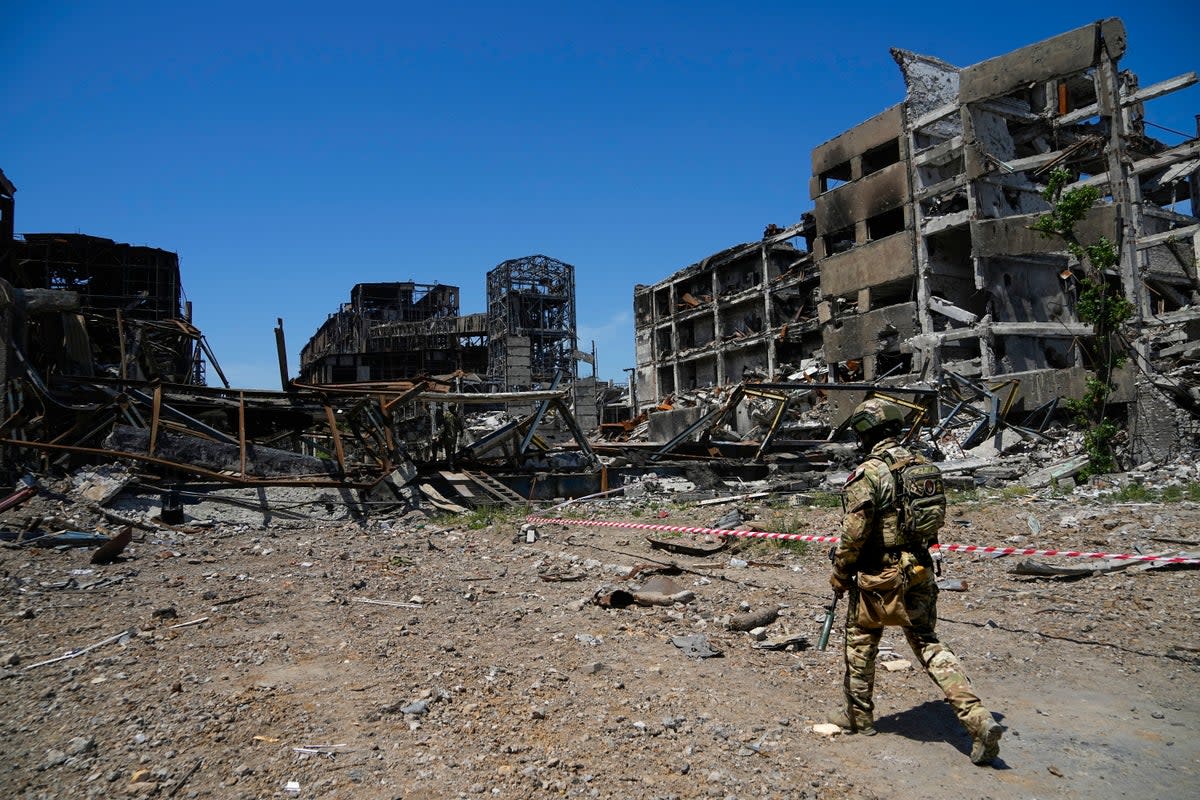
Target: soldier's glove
[(840, 583), (833, 554)]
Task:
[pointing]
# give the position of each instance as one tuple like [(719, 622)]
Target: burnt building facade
[(925, 214), (395, 331)]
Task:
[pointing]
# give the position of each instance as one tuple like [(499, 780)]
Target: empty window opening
[(941, 205), (890, 364), (662, 302), (839, 241), (889, 294), (1057, 356), (666, 381), (833, 178), (885, 224), (882, 156)]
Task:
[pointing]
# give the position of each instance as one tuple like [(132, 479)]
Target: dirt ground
[(492, 675)]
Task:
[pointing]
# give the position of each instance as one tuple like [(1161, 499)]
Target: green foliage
[(825, 500), (792, 546), (1140, 493), (1098, 443), (480, 518), (959, 496), (1069, 208), (1097, 304)]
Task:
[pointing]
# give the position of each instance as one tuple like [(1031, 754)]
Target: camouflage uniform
[(451, 430), (870, 515)]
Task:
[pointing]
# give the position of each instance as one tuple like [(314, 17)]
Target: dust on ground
[(489, 673)]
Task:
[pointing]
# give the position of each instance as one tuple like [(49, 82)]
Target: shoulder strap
[(885, 458)]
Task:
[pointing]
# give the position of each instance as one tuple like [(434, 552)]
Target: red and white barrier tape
[(800, 537)]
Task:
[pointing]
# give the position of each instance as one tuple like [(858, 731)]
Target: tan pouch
[(881, 598)]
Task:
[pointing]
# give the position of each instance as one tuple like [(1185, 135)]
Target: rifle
[(828, 625), (829, 609)]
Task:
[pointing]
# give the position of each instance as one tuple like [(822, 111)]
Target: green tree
[(1098, 304)]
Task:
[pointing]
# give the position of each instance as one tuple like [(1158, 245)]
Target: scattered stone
[(827, 729), (897, 665), (81, 745)]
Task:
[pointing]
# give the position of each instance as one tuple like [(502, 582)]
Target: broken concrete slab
[(1055, 472)]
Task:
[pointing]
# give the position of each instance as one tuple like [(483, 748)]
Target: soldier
[(879, 547), (450, 430)]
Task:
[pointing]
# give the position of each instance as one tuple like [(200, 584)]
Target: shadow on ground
[(932, 721)]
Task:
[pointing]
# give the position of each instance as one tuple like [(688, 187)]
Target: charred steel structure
[(89, 306), (7, 204), (131, 309), (395, 331), (923, 245), (531, 322), (141, 282)]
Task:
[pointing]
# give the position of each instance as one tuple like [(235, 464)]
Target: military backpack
[(920, 499)]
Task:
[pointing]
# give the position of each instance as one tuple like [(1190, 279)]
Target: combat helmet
[(875, 413)]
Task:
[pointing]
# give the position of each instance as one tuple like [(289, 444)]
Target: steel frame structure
[(532, 297)]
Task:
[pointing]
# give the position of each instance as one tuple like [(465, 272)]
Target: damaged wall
[(748, 311), (922, 235)]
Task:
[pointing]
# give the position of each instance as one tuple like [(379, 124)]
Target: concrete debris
[(696, 646)]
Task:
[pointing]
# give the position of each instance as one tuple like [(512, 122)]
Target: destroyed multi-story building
[(395, 331), (747, 311), (923, 243), (97, 307)]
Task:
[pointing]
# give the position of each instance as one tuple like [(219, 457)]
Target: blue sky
[(289, 151)]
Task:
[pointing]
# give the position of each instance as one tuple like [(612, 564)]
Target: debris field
[(461, 656)]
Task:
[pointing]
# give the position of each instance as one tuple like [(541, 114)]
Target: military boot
[(985, 741), (860, 723)]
